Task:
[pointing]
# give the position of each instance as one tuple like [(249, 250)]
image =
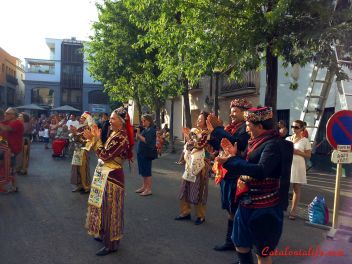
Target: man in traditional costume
[(106, 199), (80, 174), (235, 132), (259, 217)]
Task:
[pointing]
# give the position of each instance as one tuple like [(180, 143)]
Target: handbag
[(150, 153)]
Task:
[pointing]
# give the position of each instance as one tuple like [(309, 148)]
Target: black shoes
[(98, 239), (104, 251), (183, 217), (83, 191), (199, 221), (224, 247)]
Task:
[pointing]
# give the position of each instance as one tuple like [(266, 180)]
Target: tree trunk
[(271, 80), (139, 108), (157, 114), (216, 95), (187, 108), (172, 140)]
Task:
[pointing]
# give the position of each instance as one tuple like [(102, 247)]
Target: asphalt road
[(44, 222)]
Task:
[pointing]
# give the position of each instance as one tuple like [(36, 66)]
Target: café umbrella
[(66, 108), (30, 107)]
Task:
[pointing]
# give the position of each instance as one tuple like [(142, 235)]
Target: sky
[(26, 24)]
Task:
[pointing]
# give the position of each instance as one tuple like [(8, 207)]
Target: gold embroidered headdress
[(241, 103), (258, 114)]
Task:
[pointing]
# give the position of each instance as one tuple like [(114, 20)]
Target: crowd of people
[(254, 162)]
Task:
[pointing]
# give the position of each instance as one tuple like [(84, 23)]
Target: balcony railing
[(11, 79), (41, 66), (249, 81)]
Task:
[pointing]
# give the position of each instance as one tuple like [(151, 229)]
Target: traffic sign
[(341, 157), (344, 147), (339, 129)]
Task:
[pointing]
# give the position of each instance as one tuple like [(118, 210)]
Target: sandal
[(146, 193), (140, 190), (291, 217)]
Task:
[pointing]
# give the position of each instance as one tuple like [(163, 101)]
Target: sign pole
[(337, 196), (339, 136)]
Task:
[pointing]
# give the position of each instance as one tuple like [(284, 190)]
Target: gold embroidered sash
[(98, 184), (77, 157), (194, 164)]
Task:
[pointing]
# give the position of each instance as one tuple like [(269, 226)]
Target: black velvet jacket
[(271, 159)]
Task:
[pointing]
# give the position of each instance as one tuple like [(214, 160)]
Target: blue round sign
[(339, 128)]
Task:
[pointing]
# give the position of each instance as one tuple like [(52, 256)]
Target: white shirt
[(46, 133), (72, 123)]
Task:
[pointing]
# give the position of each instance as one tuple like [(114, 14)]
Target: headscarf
[(125, 117), (89, 121)]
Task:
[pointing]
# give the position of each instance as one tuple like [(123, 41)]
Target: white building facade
[(63, 79)]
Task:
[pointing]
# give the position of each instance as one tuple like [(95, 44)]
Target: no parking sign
[(339, 136), (339, 129)]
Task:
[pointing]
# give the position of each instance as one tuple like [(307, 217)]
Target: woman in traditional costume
[(23, 157), (194, 185), (106, 200), (80, 174)]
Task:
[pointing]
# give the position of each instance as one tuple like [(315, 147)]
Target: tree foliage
[(127, 70), (151, 49)]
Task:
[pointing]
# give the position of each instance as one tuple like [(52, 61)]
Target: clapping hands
[(228, 148), (212, 122), (94, 132), (229, 151)]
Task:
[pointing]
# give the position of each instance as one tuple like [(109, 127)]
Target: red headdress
[(129, 129)]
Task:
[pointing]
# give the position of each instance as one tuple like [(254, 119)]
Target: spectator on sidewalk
[(72, 122), (54, 125), (147, 141), (104, 125), (45, 134), (302, 151), (283, 131)]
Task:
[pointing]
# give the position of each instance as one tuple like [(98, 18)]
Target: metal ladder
[(344, 88), (315, 101), (318, 91)]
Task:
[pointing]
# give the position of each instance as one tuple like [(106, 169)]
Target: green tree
[(264, 31), (185, 53), (126, 70), (195, 37)]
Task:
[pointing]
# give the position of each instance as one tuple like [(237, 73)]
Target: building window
[(72, 97), (98, 97), (10, 96), (43, 96)]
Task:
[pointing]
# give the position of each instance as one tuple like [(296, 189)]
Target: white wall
[(294, 99), (86, 77)]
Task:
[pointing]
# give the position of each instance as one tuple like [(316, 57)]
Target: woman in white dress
[(302, 150)]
